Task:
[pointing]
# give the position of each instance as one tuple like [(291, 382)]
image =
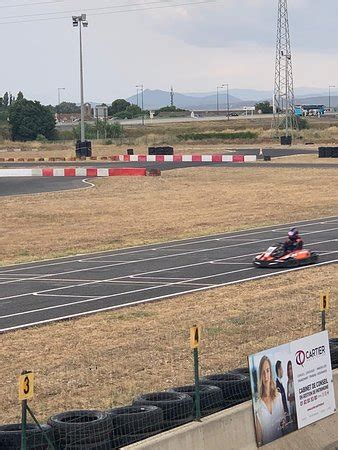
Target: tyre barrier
[(77, 430), (328, 152), (134, 423), (148, 415), (242, 370), (10, 437), (166, 150), (235, 387), (211, 397), (177, 407), (334, 352)]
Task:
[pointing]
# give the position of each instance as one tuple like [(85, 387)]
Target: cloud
[(226, 23)]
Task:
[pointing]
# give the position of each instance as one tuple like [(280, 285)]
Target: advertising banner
[(292, 386)]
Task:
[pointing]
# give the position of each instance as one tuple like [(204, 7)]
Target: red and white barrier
[(147, 158), (84, 172), (185, 158)]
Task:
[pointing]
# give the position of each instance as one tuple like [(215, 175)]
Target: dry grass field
[(105, 360), (120, 212)]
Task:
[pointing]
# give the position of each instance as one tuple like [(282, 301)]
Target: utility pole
[(284, 100), (171, 96), (81, 21)]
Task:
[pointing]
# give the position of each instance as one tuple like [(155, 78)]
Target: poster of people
[(292, 387)]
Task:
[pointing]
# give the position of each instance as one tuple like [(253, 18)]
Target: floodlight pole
[(228, 105), (217, 96), (331, 86), (140, 86), (81, 83), (59, 94), (81, 21)]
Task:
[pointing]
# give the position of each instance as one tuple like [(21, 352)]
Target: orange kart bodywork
[(274, 257)]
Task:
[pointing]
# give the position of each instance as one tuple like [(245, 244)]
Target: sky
[(193, 45)]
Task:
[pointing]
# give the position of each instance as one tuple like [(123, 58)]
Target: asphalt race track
[(34, 185), (46, 291)]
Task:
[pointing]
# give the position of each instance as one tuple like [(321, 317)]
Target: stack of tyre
[(134, 423), (37, 437), (334, 352), (77, 430), (235, 386)]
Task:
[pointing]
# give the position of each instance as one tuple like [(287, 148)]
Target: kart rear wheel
[(314, 258)]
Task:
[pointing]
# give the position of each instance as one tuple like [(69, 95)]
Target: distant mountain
[(320, 100), (157, 99)]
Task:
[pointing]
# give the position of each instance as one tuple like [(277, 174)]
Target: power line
[(19, 5), (108, 12), (85, 10)]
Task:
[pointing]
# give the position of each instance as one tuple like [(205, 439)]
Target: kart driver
[(294, 241)]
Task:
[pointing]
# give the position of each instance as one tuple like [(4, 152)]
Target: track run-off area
[(46, 291)]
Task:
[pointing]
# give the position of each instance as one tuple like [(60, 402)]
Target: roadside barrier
[(86, 172), (145, 158), (185, 158)]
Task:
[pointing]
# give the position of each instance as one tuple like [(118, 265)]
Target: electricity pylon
[(284, 99)]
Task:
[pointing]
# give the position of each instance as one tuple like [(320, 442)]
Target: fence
[(102, 362)]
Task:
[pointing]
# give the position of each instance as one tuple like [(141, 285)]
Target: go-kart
[(275, 257)]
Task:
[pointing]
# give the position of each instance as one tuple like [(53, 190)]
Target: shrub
[(41, 138), (221, 135), (100, 130), (302, 123)]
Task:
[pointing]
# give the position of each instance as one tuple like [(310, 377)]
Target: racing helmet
[(293, 234)]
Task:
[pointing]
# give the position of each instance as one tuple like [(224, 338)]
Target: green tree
[(6, 99), (67, 108), (169, 109), (28, 119), (117, 106), (265, 107), (20, 96)]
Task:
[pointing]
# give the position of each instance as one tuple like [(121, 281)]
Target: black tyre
[(235, 387), (10, 437), (314, 258), (334, 352), (80, 428), (174, 405), (211, 397), (242, 370), (135, 419)]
